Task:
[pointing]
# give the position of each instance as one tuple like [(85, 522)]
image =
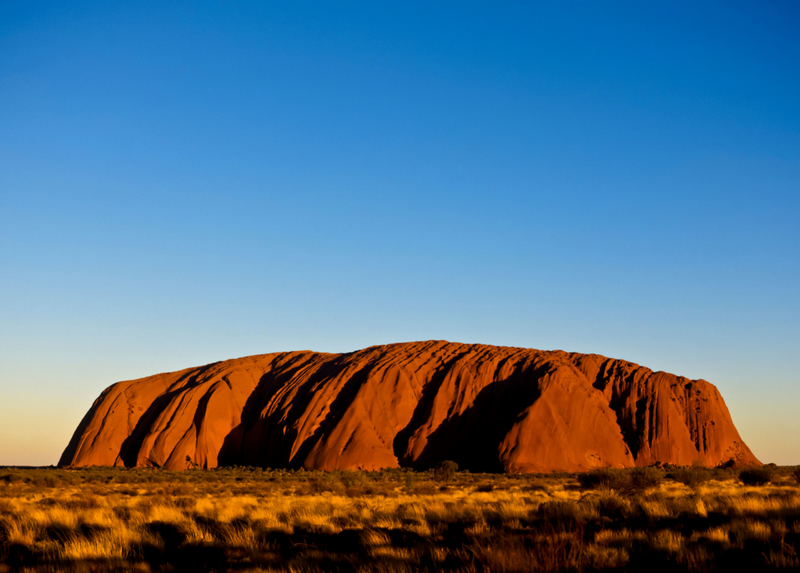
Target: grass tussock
[(246, 519)]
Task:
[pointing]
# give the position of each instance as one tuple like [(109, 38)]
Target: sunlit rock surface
[(488, 408)]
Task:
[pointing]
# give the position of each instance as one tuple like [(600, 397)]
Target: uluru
[(415, 404)]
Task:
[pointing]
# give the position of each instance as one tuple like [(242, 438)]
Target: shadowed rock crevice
[(422, 412), (472, 438), (335, 413), (412, 404), (257, 439), (130, 450)]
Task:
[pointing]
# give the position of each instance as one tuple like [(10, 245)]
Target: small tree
[(445, 471), (411, 481)]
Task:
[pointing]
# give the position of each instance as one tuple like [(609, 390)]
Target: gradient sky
[(185, 182)]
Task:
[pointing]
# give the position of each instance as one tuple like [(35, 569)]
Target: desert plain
[(397, 520)]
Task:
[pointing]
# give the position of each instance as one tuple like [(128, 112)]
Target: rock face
[(412, 404)]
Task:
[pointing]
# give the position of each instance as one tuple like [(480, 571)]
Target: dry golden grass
[(148, 520)]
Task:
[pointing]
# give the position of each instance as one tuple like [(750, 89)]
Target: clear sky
[(185, 182)]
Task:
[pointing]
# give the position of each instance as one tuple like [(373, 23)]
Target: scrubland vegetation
[(244, 519)]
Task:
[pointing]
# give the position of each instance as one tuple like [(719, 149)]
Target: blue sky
[(187, 182)]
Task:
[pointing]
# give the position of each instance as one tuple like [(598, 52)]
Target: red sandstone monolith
[(414, 404)]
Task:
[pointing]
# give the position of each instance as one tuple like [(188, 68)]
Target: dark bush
[(567, 514), (445, 471), (424, 489), (606, 478), (535, 485), (645, 478), (56, 532), (18, 555), (612, 507), (320, 485), (352, 479), (692, 476), (171, 534), (755, 476)]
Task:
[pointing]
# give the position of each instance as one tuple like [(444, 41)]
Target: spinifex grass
[(261, 520)]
